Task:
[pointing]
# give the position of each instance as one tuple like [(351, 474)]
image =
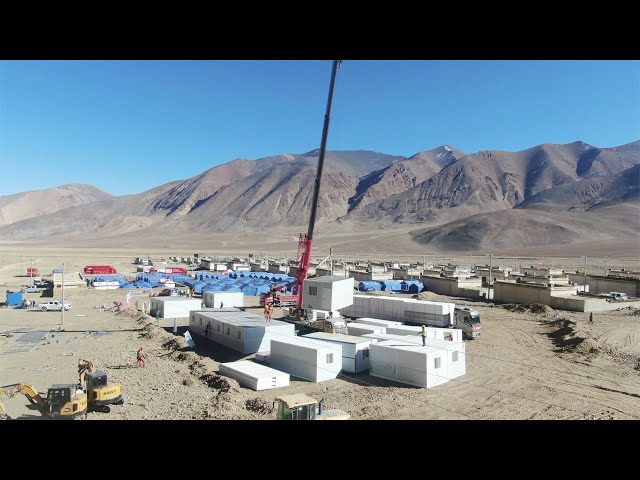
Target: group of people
[(268, 311), (28, 303)]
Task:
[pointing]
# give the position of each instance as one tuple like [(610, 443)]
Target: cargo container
[(180, 270), (99, 269), (329, 293)]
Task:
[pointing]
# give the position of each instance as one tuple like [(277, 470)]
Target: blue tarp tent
[(391, 286), (14, 298), (412, 286), (369, 286)]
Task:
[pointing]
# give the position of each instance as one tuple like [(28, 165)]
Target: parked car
[(53, 305), (33, 289)]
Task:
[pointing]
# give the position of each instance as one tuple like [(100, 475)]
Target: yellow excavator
[(99, 391), (302, 407), (63, 402)]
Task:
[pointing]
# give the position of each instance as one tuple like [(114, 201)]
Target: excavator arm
[(28, 391), (83, 367)]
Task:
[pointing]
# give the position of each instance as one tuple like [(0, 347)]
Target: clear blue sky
[(127, 126)]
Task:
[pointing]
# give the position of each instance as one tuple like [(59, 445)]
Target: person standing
[(140, 357), (424, 335), (591, 317)]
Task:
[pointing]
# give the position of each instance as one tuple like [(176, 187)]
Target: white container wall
[(355, 350), (435, 314), (240, 331), (327, 293), (378, 321), (306, 358), (174, 307), (223, 299), (409, 363), (254, 375), (359, 329)]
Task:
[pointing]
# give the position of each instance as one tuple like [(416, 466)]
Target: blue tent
[(412, 286), (14, 298), (391, 286), (369, 286)]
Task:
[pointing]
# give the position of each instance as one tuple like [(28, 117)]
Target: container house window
[(200, 322), (218, 327), (436, 362), (454, 357), (365, 353), (239, 334), (329, 358), (228, 331), (313, 291)]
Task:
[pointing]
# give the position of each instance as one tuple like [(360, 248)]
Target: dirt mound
[(536, 308), (221, 384), (259, 405), (564, 336), (634, 312), (152, 331), (176, 343), (203, 366), (185, 357), (188, 382)]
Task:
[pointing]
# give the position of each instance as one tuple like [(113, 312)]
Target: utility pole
[(585, 274), (490, 255), (62, 309)]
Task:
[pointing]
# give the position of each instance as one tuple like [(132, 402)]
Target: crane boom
[(305, 244)]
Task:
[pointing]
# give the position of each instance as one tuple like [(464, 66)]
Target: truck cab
[(468, 321), (302, 407)]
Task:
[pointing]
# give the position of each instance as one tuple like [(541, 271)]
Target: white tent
[(254, 375)]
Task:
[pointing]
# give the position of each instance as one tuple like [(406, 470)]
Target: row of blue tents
[(249, 283), (408, 286)]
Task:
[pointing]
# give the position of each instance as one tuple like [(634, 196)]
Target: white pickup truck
[(53, 305)]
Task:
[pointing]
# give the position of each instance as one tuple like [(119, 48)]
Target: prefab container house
[(359, 329), (173, 307), (454, 351), (355, 350), (253, 375), (305, 358), (328, 293), (406, 362), (223, 299), (239, 331)]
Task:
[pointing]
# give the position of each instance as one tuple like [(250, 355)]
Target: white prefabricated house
[(355, 350), (328, 293), (306, 358), (455, 351), (239, 331), (223, 299), (407, 362), (378, 321), (254, 375), (173, 307), (359, 329)]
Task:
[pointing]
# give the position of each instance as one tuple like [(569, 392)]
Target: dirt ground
[(528, 364)]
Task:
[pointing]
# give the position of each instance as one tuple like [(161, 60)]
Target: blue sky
[(127, 126)]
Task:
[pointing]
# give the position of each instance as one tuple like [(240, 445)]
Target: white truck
[(53, 305)]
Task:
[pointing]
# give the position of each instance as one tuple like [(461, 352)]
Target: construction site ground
[(531, 362)]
